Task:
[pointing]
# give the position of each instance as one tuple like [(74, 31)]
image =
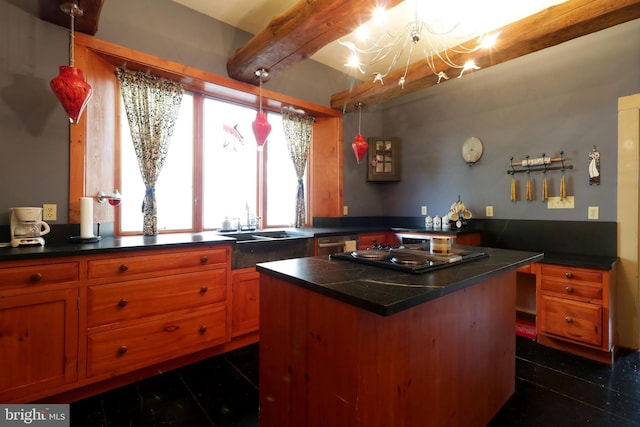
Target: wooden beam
[(299, 33), (547, 28), (49, 10)]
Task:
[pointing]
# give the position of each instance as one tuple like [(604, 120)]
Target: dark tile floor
[(552, 389)]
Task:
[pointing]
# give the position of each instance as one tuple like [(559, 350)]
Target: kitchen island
[(346, 344)]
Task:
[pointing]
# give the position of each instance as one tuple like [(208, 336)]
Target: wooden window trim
[(93, 141)]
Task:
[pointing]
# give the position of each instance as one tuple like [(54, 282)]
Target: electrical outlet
[(49, 212), (489, 210), (593, 213), (423, 210), (345, 210)]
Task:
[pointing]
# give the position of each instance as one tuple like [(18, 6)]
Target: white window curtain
[(298, 130), (152, 105)]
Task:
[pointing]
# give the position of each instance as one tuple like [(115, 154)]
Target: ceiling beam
[(299, 33), (49, 10), (547, 28)]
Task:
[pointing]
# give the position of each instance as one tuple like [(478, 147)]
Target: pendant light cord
[(72, 40), (261, 73)]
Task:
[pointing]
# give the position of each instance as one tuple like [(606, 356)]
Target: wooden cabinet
[(575, 310), (368, 240), (38, 328), (144, 307), (245, 305), (74, 326), (469, 239)]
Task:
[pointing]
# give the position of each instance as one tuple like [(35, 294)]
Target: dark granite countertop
[(586, 261), (112, 244), (386, 292)]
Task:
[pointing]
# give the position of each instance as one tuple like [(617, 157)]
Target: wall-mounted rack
[(539, 164)]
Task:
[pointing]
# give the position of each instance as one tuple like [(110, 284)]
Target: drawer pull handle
[(124, 267), (568, 319), (568, 275), (204, 289), (204, 259), (569, 289), (36, 277), (203, 328), (123, 349), (123, 302)]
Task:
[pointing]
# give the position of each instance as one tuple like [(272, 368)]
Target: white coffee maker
[(27, 227)]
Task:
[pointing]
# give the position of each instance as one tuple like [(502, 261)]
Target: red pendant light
[(69, 86), (261, 127), (359, 144)]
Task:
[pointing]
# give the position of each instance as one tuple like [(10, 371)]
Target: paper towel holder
[(114, 199), (80, 239), (86, 221)]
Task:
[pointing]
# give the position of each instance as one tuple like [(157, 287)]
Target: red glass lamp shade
[(72, 91), (261, 128), (359, 146)]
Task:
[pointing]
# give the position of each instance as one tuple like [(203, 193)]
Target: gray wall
[(33, 126), (562, 98)]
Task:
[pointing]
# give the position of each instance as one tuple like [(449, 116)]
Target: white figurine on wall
[(594, 167)]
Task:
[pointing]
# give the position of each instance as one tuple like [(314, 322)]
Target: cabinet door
[(245, 311), (38, 343)]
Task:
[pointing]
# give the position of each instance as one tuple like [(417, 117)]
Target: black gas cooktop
[(410, 260)]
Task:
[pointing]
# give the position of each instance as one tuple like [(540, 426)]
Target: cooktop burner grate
[(410, 260)]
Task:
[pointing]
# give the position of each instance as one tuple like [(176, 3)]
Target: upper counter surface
[(386, 292), (117, 244)]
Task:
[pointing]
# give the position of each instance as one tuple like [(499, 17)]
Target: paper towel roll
[(86, 217)]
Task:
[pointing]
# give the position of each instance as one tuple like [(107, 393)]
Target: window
[(216, 163)]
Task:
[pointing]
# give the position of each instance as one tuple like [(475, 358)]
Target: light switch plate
[(423, 210), (489, 210), (345, 210), (594, 212)]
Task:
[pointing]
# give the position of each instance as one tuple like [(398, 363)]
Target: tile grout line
[(242, 374), (195, 398)]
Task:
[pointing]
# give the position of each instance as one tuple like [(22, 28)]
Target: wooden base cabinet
[(38, 328), (151, 306), (71, 327), (245, 305), (575, 310)]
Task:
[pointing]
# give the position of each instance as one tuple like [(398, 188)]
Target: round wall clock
[(472, 150)]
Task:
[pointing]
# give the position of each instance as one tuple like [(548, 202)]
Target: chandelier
[(434, 42)]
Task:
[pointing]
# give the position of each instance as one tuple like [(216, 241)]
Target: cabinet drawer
[(122, 267), (130, 348), (571, 319), (572, 274), (38, 274), (115, 302), (571, 289)]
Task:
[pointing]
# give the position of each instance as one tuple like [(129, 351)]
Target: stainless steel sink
[(265, 236), (252, 247), (245, 237), (280, 234)]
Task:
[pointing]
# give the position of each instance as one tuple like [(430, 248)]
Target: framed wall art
[(384, 159)]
